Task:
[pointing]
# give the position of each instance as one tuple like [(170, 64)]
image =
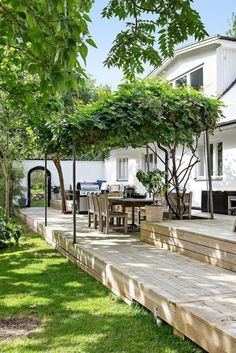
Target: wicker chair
[(109, 216)]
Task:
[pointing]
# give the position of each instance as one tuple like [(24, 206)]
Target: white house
[(210, 64)]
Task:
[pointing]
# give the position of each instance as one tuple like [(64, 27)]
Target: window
[(192, 78), (122, 169), (196, 78), (152, 159), (216, 160), (182, 81)]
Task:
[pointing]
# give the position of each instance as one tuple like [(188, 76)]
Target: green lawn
[(78, 313), (37, 203)]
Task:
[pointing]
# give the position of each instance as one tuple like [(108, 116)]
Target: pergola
[(137, 114)]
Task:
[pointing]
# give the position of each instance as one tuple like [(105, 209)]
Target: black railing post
[(74, 192), (46, 190)]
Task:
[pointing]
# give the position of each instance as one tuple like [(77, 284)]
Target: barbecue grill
[(83, 188)]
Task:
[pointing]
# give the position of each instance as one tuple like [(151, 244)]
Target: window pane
[(220, 158), (201, 165), (196, 78), (211, 158), (122, 169), (182, 81)]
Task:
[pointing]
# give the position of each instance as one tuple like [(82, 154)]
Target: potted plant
[(154, 183)]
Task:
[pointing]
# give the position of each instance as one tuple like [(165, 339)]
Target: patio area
[(196, 298)]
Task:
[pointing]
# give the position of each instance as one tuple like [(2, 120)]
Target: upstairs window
[(196, 78), (122, 169), (182, 81), (192, 78)]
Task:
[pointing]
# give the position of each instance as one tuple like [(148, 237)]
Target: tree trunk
[(7, 188), (57, 162), (177, 186)]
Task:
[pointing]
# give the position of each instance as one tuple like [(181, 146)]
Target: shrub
[(9, 232)]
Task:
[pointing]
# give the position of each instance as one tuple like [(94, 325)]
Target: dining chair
[(108, 216), (97, 213), (91, 214)]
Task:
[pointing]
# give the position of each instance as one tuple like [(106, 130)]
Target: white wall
[(226, 65), (135, 162), (190, 60), (228, 180), (85, 171), (229, 99)]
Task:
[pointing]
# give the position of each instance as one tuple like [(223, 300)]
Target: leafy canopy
[(139, 112), (153, 29), (46, 37), (50, 38)]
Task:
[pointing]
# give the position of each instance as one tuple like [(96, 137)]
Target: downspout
[(166, 163)]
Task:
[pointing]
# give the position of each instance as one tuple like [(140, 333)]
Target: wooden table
[(129, 202)]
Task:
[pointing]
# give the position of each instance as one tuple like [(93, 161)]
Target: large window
[(192, 78), (216, 160), (196, 78), (150, 162), (122, 169)]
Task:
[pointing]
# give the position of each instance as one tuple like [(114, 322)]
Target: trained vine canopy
[(138, 113)]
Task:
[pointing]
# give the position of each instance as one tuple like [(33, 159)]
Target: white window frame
[(152, 165), (203, 163), (122, 170), (187, 74)]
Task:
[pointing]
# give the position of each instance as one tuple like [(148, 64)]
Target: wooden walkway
[(197, 299)]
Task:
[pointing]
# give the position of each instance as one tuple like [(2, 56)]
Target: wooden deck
[(197, 299), (211, 241)]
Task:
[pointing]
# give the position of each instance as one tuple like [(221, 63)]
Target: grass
[(79, 314), (37, 203)]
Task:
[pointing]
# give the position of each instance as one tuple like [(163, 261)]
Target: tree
[(13, 138), (51, 38), (47, 37), (141, 113), (52, 114), (232, 31), (153, 29)]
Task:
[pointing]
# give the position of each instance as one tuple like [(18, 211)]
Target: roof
[(189, 47)]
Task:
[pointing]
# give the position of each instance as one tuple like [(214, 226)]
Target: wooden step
[(204, 240)]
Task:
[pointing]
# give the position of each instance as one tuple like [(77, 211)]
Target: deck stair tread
[(198, 289)]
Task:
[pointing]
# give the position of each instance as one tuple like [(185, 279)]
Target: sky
[(215, 15)]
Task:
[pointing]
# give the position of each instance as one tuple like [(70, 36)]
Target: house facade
[(211, 65)]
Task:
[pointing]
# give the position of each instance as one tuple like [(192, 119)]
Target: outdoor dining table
[(129, 202)]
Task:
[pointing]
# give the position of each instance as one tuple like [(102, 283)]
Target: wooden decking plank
[(197, 299)]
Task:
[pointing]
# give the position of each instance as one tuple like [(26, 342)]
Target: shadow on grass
[(78, 312)]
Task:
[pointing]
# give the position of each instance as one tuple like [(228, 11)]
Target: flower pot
[(154, 213)]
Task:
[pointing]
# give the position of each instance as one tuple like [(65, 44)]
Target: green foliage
[(45, 39), (153, 181), (138, 113), (9, 231), (232, 30), (150, 24), (37, 181)]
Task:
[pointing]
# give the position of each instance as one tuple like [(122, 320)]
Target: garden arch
[(29, 184)]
